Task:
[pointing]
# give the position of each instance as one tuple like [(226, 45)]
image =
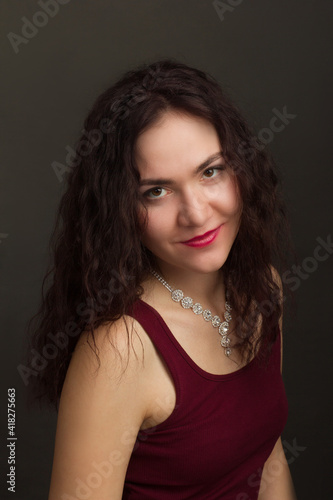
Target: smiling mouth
[(202, 236)]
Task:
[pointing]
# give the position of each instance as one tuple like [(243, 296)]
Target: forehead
[(177, 142)]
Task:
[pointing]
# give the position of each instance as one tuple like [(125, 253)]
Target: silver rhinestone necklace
[(187, 303)]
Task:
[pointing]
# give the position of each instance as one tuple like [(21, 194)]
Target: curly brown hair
[(97, 259)]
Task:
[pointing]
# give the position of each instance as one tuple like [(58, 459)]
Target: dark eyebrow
[(170, 182)]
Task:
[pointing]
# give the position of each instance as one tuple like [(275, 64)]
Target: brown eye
[(209, 172), (156, 191), (213, 172)]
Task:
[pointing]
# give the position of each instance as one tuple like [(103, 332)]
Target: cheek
[(224, 194), (156, 229), (233, 198), (228, 201)]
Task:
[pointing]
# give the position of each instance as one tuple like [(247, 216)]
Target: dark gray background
[(267, 54)]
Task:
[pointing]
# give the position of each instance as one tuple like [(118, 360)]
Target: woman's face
[(188, 192)]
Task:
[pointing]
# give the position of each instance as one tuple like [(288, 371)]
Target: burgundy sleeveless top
[(214, 444)]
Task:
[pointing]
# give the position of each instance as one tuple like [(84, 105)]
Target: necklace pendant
[(227, 316), (225, 341), (197, 308), (187, 302), (177, 295), (207, 315), (216, 321), (223, 328)]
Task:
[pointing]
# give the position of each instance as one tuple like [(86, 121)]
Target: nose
[(194, 208)]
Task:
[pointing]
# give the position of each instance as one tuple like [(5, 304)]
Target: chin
[(209, 268), (206, 265), (198, 262)]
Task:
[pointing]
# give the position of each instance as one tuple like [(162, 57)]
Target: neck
[(206, 288)]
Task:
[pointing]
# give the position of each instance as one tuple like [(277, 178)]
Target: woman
[(165, 307)]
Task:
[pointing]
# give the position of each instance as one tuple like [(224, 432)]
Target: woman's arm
[(276, 482), (100, 414)]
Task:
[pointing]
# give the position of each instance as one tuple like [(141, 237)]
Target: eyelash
[(147, 193)]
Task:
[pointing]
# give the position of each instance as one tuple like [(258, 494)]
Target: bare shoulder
[(118, 344), (102, 407)]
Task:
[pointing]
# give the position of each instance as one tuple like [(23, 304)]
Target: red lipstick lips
[(204, 239)]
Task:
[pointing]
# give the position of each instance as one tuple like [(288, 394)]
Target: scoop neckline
[(191, 362)]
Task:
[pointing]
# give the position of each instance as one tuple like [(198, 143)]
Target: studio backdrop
[(274, 59)]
